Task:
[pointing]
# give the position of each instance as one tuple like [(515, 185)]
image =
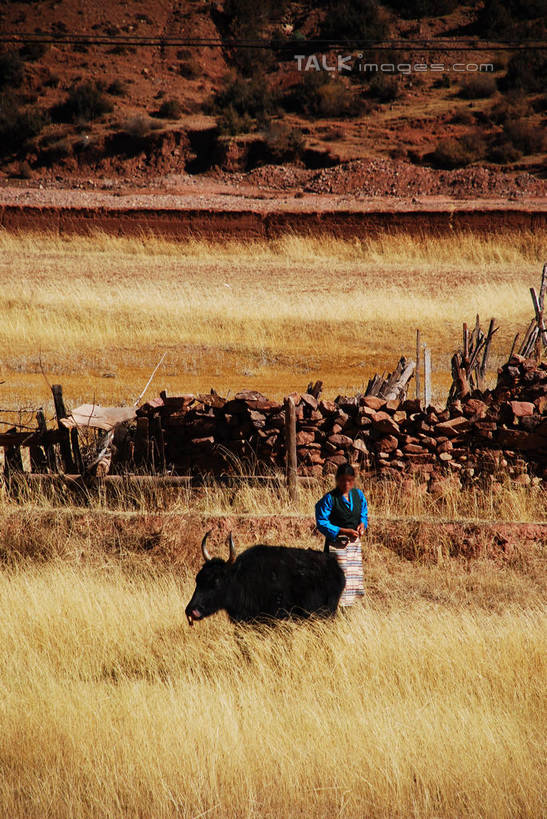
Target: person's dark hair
[(345, 470)]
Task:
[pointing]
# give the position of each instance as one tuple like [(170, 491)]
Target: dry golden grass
[(269, 315), (111, 706), (505, 502), (429, 700)]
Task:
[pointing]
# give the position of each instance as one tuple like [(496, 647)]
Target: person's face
[(344, 483)]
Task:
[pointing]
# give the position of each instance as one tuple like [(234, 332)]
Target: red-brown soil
[(426, 110), (175, 538)]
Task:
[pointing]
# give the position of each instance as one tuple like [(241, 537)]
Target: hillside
[(73, 108)]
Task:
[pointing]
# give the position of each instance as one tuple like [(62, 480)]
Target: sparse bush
[(169, 109), (248, 20), (17, 125), (11, 70), (24, 171), (138, 126), (509, 18), (526, 71), (117, 88), (84, 102), (284, 144), (463, 116), (478, 87), (354, 20), (411, 9), (513, 106), (319, 95), (503, 152), (383, 88), (33, 51), (55, 151), (190, 68), (52, 81), (524, 136), (457, 153), (231, 122), (240, 101)]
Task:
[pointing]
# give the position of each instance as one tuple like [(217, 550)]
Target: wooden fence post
[(64, 434), (49, 449), (142, 444), (427, 377), (418, 365), (290, 439)]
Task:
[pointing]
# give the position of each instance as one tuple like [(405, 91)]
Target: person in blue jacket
[(342, 516)]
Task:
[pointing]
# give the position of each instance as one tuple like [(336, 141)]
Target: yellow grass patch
[(269, 315), (111, 706)]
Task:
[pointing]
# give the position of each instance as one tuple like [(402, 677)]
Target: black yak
[(265, 583)]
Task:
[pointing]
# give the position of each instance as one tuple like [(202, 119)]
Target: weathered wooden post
[(159, 444), (427, 377), (418, 365), (142, 444), (290, 439), (64, 434), (48, 446)]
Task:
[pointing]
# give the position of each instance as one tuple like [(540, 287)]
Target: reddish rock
[(364, 421), (411, 405), (368, 411), (360, 446), (340, 440), (413, 449), (518, 439), (455, 426), (384, 424), (445, 446), (258, 419), (445, 456), (392, 405), (521, 409), (336, 459), (373, 402), (386, 444), (328, 407), (541, 404), (475, 408), (304, 437), (309, 400)]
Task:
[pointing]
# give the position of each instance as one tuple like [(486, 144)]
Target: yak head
[(211, 583)]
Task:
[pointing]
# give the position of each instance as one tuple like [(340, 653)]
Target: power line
[(277, 45)]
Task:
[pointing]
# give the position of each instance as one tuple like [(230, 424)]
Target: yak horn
[(232, 555), (204, 549)]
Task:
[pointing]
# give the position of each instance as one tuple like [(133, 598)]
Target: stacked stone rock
[(498, 433)]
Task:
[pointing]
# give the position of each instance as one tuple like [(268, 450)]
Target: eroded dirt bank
[(264, 224), (174, 538)]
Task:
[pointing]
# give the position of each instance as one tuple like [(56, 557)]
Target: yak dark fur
[(268, 582)]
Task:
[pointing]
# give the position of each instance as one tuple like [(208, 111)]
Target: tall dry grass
[(488, 501), (270, 315), (111, 706)]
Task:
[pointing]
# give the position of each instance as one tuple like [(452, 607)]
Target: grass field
[(110, 705), (426, 701), (270, 316)]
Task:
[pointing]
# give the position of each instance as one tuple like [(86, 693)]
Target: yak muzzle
[(193, 615)]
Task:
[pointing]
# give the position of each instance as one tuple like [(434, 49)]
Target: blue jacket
[(323, 508)]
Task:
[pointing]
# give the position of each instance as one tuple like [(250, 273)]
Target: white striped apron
[(350, 561)]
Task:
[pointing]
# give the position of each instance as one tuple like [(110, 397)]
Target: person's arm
[(323, 508), (363, 523)]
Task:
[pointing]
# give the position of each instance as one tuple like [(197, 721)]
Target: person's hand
[(352, 533), (361, 529)]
